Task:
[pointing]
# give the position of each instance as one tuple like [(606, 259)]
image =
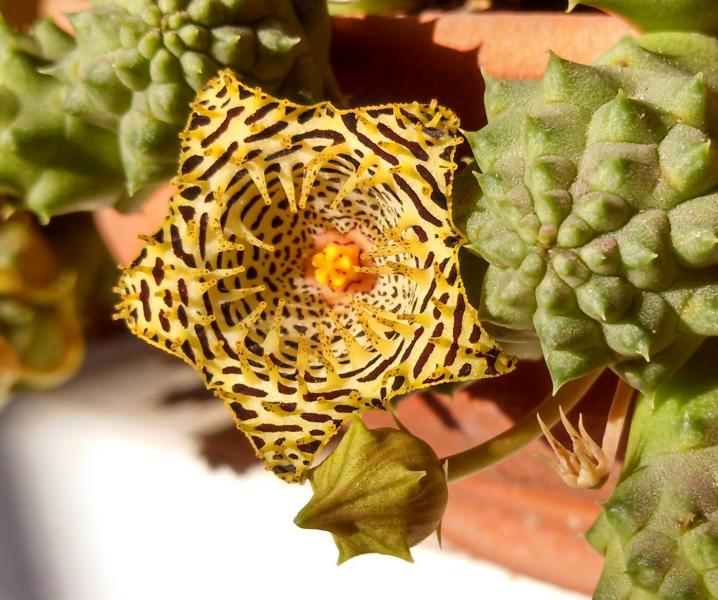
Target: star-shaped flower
[(308, 266)]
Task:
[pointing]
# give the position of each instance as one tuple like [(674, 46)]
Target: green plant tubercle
[(94, 119), (662, 15), (659, 530), (597, 209)]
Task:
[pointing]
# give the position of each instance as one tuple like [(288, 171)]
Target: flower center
[(334, 266), (338, 265)]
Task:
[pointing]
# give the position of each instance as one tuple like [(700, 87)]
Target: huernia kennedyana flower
[(308, 266)]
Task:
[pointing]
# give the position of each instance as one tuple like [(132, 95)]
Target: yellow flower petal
[(224, 286)]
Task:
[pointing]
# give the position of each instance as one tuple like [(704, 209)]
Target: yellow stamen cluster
[(335, 266)]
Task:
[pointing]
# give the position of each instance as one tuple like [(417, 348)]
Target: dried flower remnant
[(589, 465), (586, 466), (239, 282)]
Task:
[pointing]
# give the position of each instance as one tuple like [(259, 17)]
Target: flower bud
[(381, 490), (41, 343)]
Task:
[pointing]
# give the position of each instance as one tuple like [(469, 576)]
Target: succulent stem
[(660, 15), (522, 433)]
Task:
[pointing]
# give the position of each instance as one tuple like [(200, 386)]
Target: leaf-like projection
[(269, 193)]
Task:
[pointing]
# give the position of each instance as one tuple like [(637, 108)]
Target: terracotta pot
[(20, 14), (519, 513)]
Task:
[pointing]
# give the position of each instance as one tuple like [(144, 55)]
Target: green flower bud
[(381, 490), (41, 342)]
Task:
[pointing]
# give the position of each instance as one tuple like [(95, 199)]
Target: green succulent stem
[(92, 119), (502, 446), (658, 530), (661, 15), (372, 7), (597, 211)]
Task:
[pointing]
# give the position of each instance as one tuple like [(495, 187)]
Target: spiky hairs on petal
[(599, 214), (222, 283)]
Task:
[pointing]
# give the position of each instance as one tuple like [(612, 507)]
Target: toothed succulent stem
[(661, 15), (658, 530), (94, 120), (50, 162), (597, 210)]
